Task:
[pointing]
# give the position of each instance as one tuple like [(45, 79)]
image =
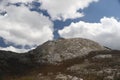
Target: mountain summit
[(64, 49), (62, 59)]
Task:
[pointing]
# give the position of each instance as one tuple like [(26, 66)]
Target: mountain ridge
[(79, 58), (62, 49)]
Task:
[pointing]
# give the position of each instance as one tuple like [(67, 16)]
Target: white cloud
[(61, 10), (24, 27), (4, 3), (16, 1), (106, 32), (21, 26), (23, 1), (11, 48), (65, 9)]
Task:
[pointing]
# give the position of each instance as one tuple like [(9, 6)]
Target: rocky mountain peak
[(62, 59), (64, 49)]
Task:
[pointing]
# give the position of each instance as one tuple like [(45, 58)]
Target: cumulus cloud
[(16, 1), (24, 27), (106, 32), (6, 3), (23, 1), (65, 9), (11, 48), (20, 26)]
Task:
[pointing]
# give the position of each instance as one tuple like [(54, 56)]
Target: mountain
[(56, 51), (62, 59)]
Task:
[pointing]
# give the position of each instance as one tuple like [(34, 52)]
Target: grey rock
[(56, 51), (75, 59), (61, 77), (75, 78), (104, 56)]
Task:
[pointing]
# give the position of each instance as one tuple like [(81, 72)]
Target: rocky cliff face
[(63, 59)]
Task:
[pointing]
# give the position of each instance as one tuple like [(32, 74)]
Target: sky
[(26, 24)]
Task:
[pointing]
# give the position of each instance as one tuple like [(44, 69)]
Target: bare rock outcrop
[(62, 59), (59, 50)]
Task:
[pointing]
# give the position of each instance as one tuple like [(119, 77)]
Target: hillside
[(62, 59)]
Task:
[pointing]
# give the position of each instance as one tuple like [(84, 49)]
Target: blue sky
[(93, 13), (53, 23)]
